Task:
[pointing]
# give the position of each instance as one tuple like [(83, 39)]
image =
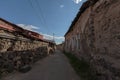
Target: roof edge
[(84, 6)]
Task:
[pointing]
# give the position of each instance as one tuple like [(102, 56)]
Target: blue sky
[(43, 16)]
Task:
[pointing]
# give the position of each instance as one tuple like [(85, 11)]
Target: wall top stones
[(85, 5)]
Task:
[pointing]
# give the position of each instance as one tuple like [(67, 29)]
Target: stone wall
[(16, 51), (14, 60), (10, 41), (100, 38)]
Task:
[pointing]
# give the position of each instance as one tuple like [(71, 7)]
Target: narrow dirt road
[(53, 67)]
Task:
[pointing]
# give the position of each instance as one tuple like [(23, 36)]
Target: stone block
[(25, 68)]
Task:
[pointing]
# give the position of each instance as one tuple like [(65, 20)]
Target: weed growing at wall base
[(0, 73), (81, 67)]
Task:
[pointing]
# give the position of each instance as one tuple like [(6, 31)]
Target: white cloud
[(77, 1), (61, 6), (58, 39), (50, 37), (28, 27), (45, 36)]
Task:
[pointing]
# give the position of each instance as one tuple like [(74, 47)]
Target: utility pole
[(53, 37)]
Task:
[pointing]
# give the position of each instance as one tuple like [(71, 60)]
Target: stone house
[(13, 37), (20, 47)]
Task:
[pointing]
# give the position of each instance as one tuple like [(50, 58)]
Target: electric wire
[(35, 9), (42, 15)]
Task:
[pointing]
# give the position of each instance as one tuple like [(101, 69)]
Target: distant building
[(60, 46)]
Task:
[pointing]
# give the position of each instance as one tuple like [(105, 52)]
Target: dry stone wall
[(16, 51), (11, 42), (14, 60)]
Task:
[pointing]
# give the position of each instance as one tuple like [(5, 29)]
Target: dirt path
[(53, 67)]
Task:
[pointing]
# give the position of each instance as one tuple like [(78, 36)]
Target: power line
[(37, 2), (42, 15), (34, 8), (53, 37), (41, 18)]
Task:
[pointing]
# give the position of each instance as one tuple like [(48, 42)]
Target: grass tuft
[(0, 74), (81, 67)]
